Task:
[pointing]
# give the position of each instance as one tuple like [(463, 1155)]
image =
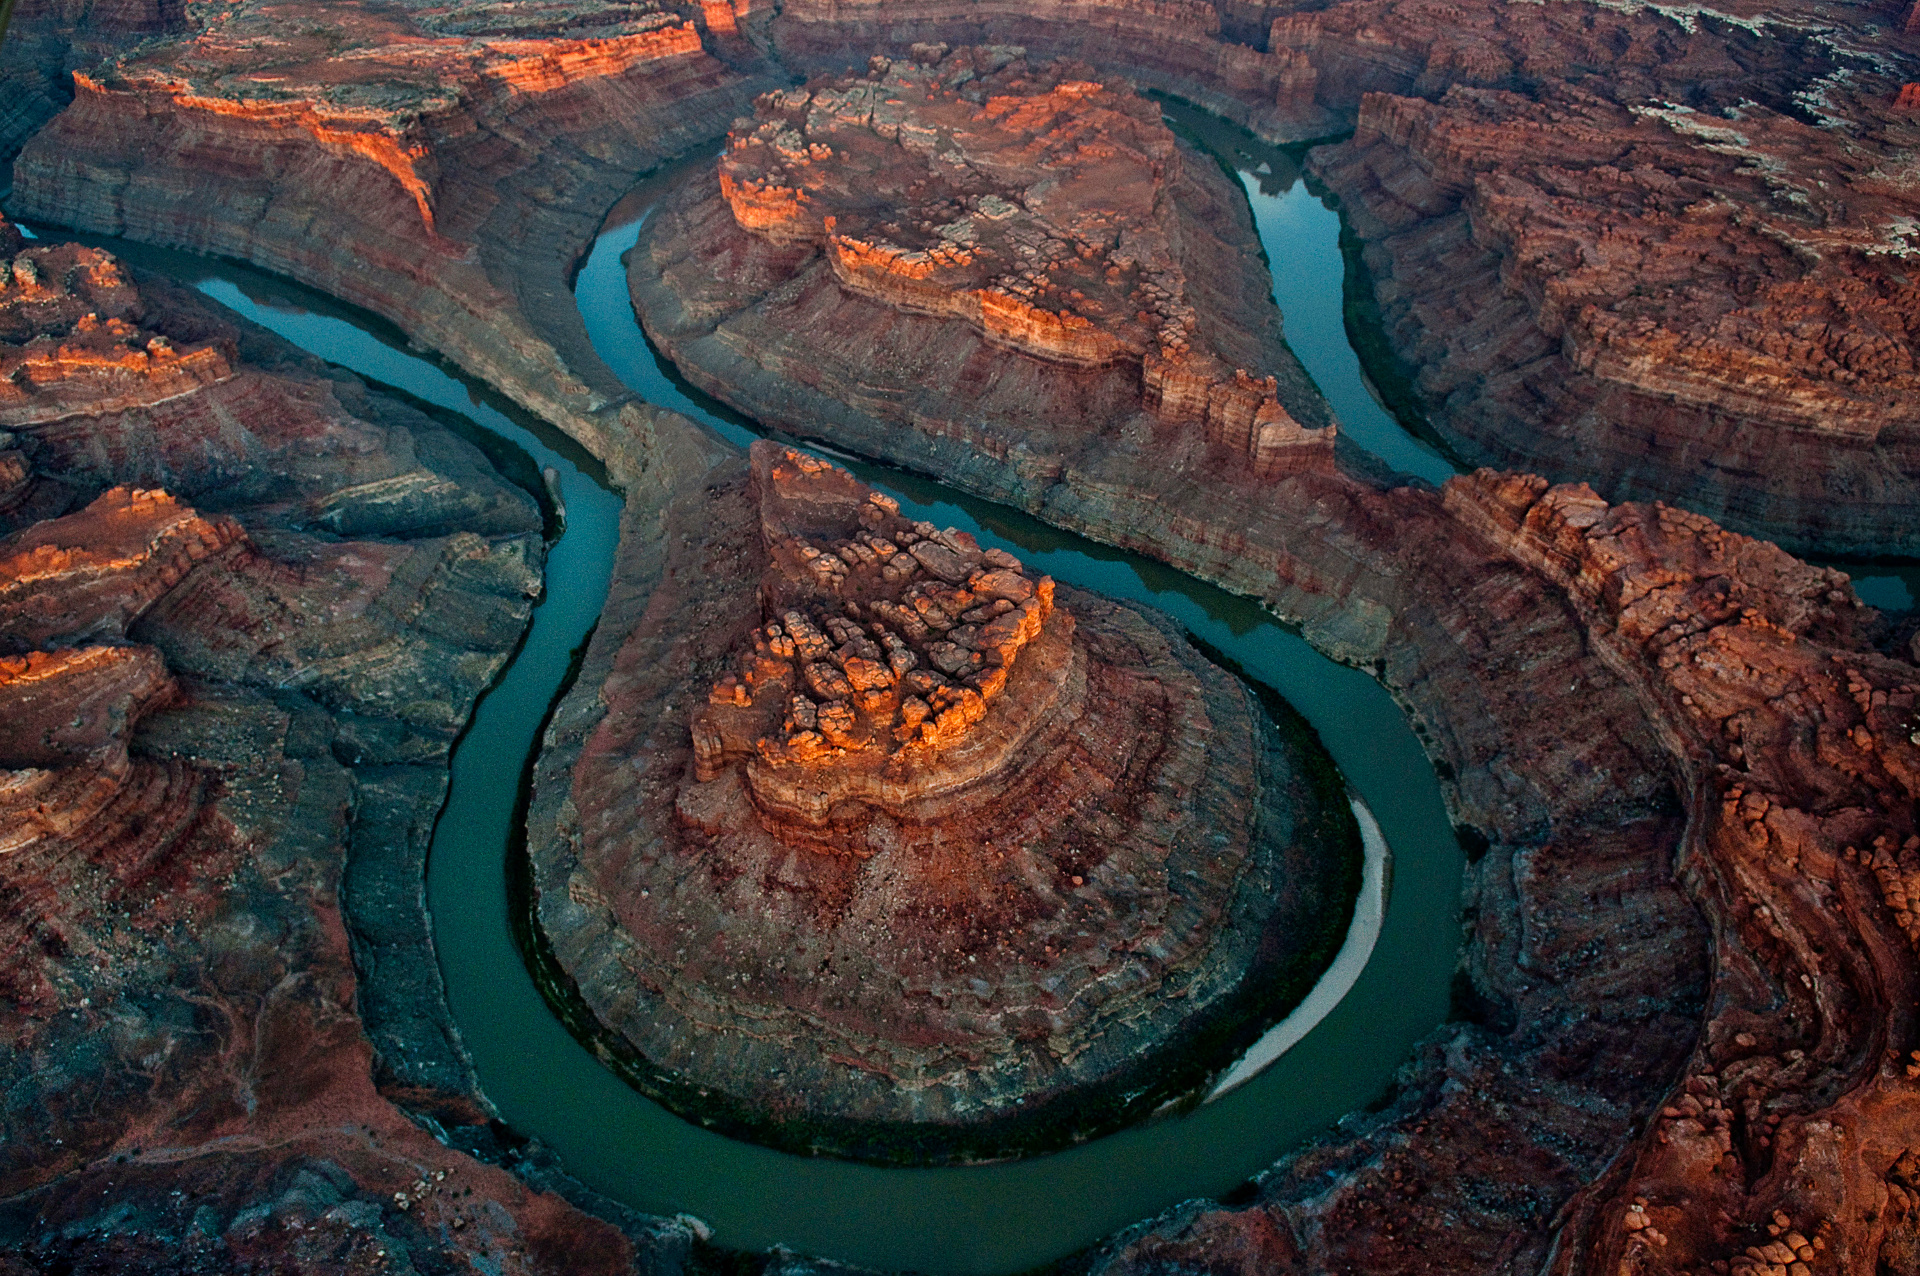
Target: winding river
[(996, 1218)]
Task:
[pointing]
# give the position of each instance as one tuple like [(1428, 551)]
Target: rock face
[(403, 158), (1702, 305), (997, 249), (877, 681), (937, 866), (1783, 1139), (1615, 245), (1213, 54), (244, 609)]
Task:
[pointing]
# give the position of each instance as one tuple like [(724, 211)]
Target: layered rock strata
[(439, 167), (1782, 1142), (1705, 305), (1012, 254), (1214, 54), (877, 845), (1616, 244), (244, 607)]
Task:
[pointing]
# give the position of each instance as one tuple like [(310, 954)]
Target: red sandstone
[(940, 847), (173, 818)]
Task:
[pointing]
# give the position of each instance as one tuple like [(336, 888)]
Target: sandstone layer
[(439, 167), (1624, 244), (1014, 256), (245, 606), (899, 854)]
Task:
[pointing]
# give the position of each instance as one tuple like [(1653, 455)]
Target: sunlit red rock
[(881, 671), (1049, 214), (404, 158), (884, 845)]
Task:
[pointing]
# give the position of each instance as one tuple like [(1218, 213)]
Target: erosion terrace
[(851, 834), (946, 856)]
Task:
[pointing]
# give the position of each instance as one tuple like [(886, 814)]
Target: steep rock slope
[(205, 710), (1784, 1141), (866, 841), (439, 168), (1624, 245)]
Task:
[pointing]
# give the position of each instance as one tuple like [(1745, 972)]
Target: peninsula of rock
[(878, 844)]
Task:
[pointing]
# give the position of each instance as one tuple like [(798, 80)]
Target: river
[(997, 1218)]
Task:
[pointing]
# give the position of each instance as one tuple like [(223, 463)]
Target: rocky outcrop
[(1783, 1138), (878, 675), (442, 170), (197, 712), (1045, 225), (1067, 279), (1705, 307), (948, 866)]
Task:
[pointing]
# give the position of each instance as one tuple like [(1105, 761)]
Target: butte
[(886, 846)]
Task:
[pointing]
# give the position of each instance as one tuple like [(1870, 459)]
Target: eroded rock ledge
[(1018, 251), (245, 607), (441, 168), (886, 848)]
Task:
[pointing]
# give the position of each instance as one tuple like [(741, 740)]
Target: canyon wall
[(443, 174), (1699, 307), (1613, 245), (245, 609), (1793, 745)]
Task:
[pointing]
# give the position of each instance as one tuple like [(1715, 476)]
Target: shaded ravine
[(993, 1218)]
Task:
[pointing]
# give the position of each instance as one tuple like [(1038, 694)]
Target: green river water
[(996, 1218)]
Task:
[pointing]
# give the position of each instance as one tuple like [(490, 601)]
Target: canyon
[(438, 169), (247, 606), (966, 244), (1682, 761), (1641, 248), (950, 865)]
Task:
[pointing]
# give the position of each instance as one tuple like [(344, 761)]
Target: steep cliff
[(203, 709), (1784, 1138), (1614, 244), (441, 169), (858, 839), (1703, 305)]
